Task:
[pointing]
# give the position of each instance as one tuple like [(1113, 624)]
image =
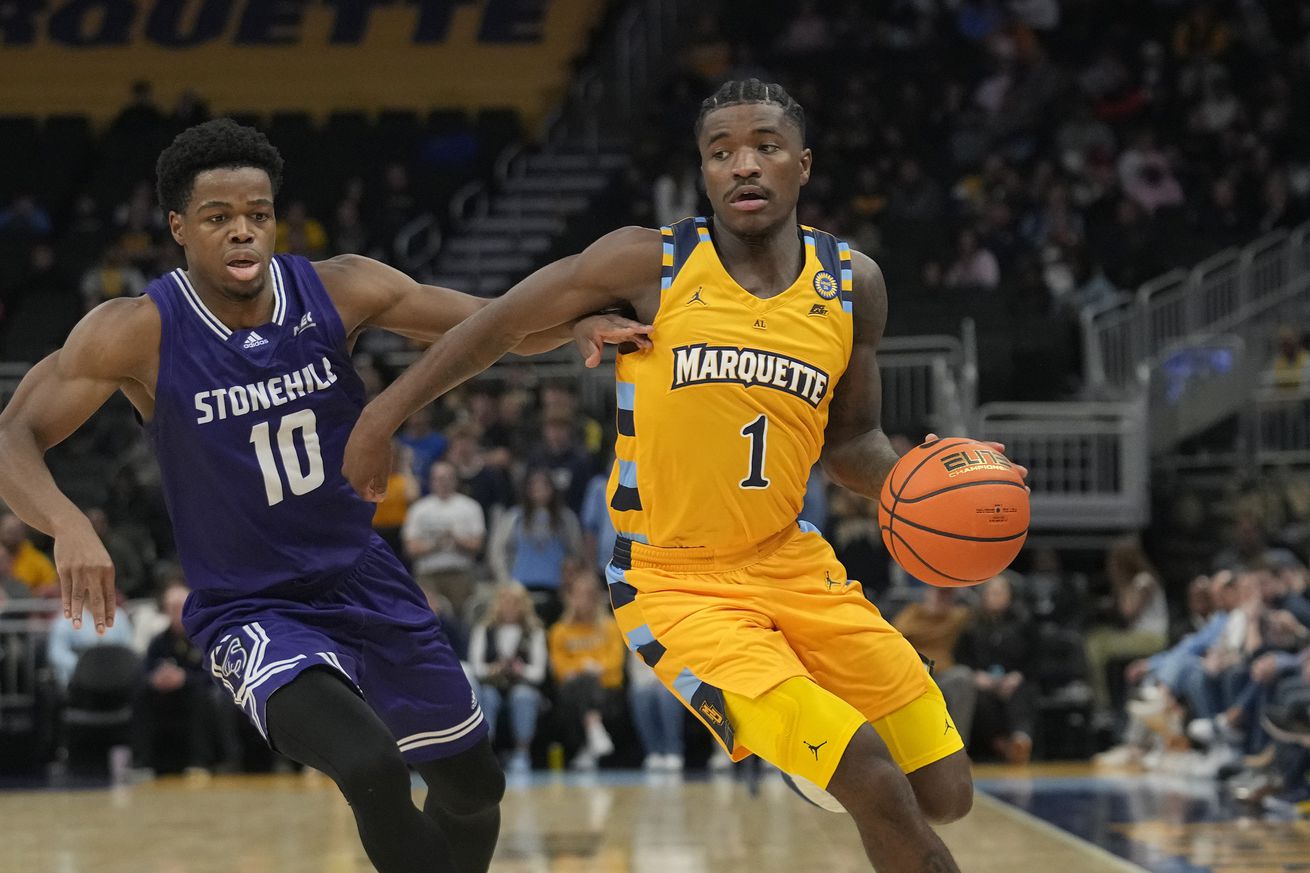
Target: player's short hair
[(214, 145), (740, 91)]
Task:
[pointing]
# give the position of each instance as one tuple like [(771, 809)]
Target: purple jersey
[(250, 427)]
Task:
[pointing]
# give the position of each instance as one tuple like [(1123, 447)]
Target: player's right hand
[(367, 460), (86, 575)]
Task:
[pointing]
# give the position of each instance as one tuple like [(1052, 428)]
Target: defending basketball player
[(240, 368), (765, 336)]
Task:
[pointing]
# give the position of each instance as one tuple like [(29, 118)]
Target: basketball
[(953, 512)]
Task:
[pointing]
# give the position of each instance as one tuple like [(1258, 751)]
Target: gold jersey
[(720, 424)]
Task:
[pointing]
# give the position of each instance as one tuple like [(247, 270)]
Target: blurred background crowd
[(1014, 162)]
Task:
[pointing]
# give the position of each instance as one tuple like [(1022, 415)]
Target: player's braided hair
[(741, 91), (217, 144)]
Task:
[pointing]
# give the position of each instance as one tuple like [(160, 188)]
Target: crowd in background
[(1056, 155)]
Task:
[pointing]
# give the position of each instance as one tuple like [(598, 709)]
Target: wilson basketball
[(953, 512)]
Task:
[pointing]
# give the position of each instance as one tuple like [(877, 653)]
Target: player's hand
[(593, 332), (86, 575), (996, 447), (367, 461)]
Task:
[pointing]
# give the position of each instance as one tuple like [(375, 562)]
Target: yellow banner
[(81, 56)]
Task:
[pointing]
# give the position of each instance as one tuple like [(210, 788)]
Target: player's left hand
[(997, 447), (593, 332), (367, 461)]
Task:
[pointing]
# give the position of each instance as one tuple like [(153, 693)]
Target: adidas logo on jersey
[(254, 341)]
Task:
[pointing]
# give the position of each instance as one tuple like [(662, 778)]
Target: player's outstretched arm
[(368, 293), (856, 453), (108, 350), (618, 268)]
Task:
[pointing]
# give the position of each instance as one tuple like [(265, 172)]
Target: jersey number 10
[(301, 480)]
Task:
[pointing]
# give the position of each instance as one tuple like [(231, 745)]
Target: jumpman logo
[(949, 727), (829, 581), (696, 298), (814, 748)]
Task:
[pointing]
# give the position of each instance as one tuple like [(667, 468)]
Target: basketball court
[(1048, 818)]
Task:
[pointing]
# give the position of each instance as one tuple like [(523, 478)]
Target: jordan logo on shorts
[(949, 727), (814, 748), (829, 582)]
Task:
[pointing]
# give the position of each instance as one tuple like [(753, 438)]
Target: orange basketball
[(953, 512)]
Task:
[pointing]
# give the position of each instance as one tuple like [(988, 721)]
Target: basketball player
[(240, 368), (763, 363)]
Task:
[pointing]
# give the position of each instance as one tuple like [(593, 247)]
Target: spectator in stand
[(130, 576), (65, 645), (1140, 618), (676, 192), (1200, 608), (175, 708), (111, 278), (934, 627), (402, 491), (587, 654), (27, 563), (598, 533), (349, 235), (1250, 547), (853, 532), (533, 540), (975, 267), (559, 400), (138, 228), (10, 587), (41, 308), (1288, 371), (658, 717), (490, 486), (299, 233), (424, 441), (507, 653), (1146, 175), (998, 644), (396, 205), (569, 465), (443, 534), (26, 219)]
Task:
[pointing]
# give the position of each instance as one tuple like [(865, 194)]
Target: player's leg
[(839, 636), (922, 740), (464, 793), (318, 720), (415, 682), (896, 834), (809, 732)]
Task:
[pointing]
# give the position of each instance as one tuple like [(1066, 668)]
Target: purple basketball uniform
[(250, 427)]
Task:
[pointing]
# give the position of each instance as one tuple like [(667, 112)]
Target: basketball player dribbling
[(240, 368), (765, 337)]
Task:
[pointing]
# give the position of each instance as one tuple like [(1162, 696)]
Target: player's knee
[(374, 774), (949, 801), (466, 784)]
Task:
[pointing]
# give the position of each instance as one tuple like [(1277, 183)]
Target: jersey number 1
[(302, 481), (756, 432)]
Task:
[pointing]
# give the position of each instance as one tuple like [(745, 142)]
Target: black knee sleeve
[(466, 784)]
